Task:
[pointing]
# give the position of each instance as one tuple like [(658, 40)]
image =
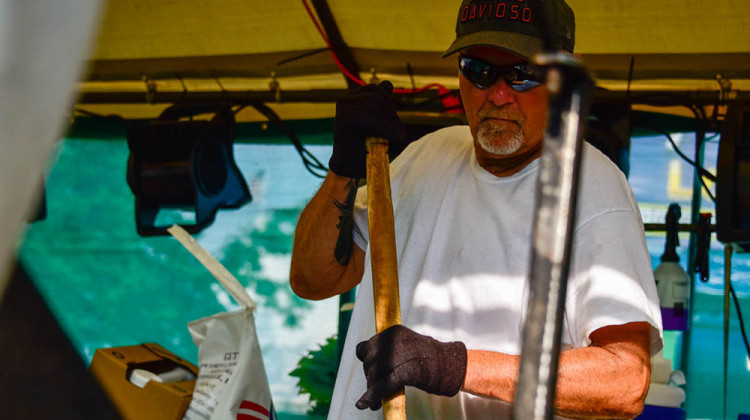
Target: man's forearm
[(316, 271), (593, 382)]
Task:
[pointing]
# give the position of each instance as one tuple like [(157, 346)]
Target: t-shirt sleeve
[(611, 282)]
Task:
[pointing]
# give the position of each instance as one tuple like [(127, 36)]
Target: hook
[(218, 82), (275, 87), (373, 76), (150, 89), (184, 87), (725, 87)]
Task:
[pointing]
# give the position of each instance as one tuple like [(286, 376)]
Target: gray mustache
[(499, 113)]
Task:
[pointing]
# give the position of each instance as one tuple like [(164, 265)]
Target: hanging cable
[(312, 164), (347, 73), (322, 33), (701, 171), (712, 138), (97, 115)]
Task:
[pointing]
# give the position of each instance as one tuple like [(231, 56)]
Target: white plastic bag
[(232, 382)]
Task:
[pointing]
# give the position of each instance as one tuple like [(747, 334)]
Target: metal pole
[(727, 285), (695, 215), (569, 88)]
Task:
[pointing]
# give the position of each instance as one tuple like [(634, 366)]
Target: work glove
[(366, 111), (399, 356)]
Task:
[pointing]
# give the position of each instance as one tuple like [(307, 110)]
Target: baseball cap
[(512, 25)]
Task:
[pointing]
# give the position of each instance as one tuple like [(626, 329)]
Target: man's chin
[(499, 147)]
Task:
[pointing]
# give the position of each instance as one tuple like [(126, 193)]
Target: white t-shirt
[(463, 248)]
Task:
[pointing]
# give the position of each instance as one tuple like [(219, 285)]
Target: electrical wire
[(97, 115), (712, 138), (322, 33), (312, 164), (703, 173), (345, 71)]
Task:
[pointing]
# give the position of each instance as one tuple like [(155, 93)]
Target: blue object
[(743, 417), (655, 412)]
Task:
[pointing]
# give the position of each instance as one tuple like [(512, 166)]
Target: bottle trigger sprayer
[(672, 282)]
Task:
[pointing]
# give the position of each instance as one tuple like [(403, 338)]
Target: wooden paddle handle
[(383, 254)]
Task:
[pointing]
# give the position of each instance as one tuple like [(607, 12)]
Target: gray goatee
[(503, 139)]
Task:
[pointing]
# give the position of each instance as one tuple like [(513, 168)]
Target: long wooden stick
[(383, 254)]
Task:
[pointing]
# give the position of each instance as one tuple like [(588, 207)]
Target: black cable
[(240, 108), (705, 187), (712, 138), (700, 138), (312, 164), (701, 171), (300, 56), (96, 115), (630, 77)]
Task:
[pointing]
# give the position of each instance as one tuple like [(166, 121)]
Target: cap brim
[(522, 45)]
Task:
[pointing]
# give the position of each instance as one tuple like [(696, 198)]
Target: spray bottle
[(672, 282)]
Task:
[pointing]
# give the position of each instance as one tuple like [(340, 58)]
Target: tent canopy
[(151, 47)]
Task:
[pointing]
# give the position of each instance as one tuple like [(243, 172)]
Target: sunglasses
[(520, 77)]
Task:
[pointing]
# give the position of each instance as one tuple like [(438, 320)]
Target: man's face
[(503, 122)]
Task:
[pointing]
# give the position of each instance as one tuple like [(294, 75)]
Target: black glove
[(367, 111), (399, 356)]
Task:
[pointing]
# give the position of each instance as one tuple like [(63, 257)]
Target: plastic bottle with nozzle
[(672, 282)]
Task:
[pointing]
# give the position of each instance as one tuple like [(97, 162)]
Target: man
[(464, 203)]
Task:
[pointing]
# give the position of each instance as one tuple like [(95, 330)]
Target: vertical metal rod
[(727, 284), (568, 85), (695, 215)]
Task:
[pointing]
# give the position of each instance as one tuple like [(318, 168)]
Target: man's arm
[(315, 272), (610, 378), (325, 262)]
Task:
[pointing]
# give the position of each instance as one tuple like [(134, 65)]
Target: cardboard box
[(114, 367)]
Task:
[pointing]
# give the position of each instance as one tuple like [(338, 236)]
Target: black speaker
[(178, 162), (733, 177)]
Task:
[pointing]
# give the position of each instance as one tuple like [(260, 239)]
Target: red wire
[(317, 24), (346, 72), (343, 69)]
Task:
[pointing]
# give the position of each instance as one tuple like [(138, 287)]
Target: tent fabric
[(672, 44), (41, 49)]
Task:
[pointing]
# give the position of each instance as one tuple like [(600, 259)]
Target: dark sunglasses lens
[(519, 77), (478, 72)]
